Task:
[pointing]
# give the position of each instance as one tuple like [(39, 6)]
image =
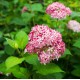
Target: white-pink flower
[(58, 10), (74, 25), (46, 42)]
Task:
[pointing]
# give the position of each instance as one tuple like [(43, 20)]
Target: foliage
[(14, 29)]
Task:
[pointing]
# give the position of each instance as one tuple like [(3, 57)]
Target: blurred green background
[(12, 20)]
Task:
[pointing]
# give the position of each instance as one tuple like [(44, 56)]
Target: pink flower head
[(46, 42), (24, 9), (74, 25), (58, 10)]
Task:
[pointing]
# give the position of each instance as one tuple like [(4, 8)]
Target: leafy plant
[(15, 26)]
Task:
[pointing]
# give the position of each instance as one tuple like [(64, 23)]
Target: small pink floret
[(24, 9)]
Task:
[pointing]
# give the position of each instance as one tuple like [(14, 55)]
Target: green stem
[(57, 23), (20, 54), (18, 51)]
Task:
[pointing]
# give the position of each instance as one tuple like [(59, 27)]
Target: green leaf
[(58, 75), (32, 59), (49, 76), (27, 17), (12, 69), (77, 43), (37, 7), (12, 43), (21, 73), (1, 33), (76, 51), (17, 21), (16, 1), (26, 29), (4, 3), (12, 61), (9, 50), (77, 66), (60, 29), (76, 72), (47, 69), (75, 14), (1, 52), (67, 52), (28, 6), (22, 39), (2, 67)]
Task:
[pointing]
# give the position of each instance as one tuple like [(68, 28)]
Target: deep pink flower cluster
[(46, 42), (24, 9), (58, 10)]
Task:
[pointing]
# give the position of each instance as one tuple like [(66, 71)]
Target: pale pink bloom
[(44, 57), (58, 10), (46, 42), (74, 25), (24, 9)]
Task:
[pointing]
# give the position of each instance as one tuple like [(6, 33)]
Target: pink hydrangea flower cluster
[(74, 25), (24, 9), (58, 10), (46, 42)]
